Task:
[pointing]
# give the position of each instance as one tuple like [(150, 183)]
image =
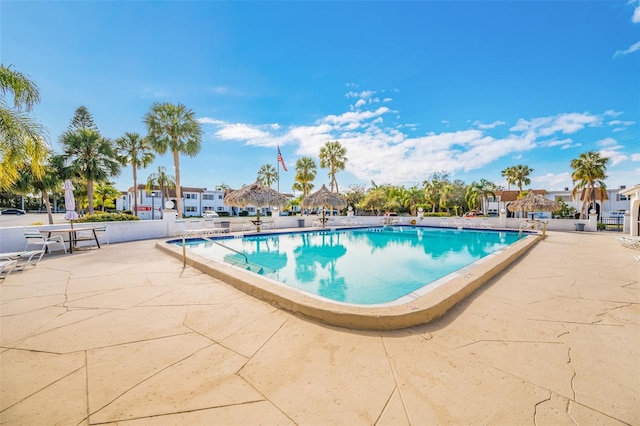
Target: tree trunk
[(90, 195), (176, 161), (47, 204), (135, 191)]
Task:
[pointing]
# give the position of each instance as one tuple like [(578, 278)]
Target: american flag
[(281, 161)]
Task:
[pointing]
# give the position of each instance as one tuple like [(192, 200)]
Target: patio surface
[(125, 335)]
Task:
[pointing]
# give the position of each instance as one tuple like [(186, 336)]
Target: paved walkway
[(124, 334)]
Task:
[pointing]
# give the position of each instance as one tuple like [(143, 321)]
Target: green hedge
[(106, 217)]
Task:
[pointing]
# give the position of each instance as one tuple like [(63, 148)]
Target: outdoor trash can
[(300, 223), (579, 226)]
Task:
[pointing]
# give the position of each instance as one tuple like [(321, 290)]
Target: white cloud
[(611, 149), (383, 152), (360, 103), (634, 48), (493, 125), (635, 157), (636, 15), (557, 181), (611, 113), (387, 100), (208, 120), (621, 123), (607, 142), (562, 123), (618, 129)]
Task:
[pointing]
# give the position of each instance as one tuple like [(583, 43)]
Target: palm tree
[(268, 174), (106, 192), (174, 128), (411, 197), (160, 180), (45, 184), (21, 137), (333, 157), (517, 175), (305, 174), (134, 150), (90, 156), (588, 170), (478, 193)]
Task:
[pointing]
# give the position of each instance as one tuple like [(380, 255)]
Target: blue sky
[(409, 88)]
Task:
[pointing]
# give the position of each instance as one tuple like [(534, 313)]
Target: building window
[(219, 197), (191, 209), (622, 197), (220, 209), (207, 196), (190, 196)]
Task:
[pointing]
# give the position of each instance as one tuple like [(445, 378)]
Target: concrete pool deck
[(125, 335)]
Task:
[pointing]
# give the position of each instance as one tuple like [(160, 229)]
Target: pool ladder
[(249, 266)]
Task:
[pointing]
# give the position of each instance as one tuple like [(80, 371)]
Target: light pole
[(153, 205)]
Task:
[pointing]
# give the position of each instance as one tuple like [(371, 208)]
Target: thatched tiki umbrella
[(256, 195), (325, 199), (533, 202)]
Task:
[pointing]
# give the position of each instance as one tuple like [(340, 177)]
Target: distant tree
[(45, 184), (478, 193), (268, 174), (433, 189), (333, 156), (107, 194), (410, 198), (375, 200), (305, 174), (589, 170), (82, 119), (88, 155), (354, 194), (136, 151), (174, 128), (161, 180), (21, 137), (517, 175), (223, 187)]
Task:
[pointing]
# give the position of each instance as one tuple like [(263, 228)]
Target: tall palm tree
[(21, 137), (588, 170), (517, 175), (134, 150), (174, 128), (305, 174), (478, 193), (268, 174), (161, 180), (90, 156), (333, 156)]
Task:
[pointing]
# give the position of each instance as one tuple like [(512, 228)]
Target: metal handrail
[(246, 260)]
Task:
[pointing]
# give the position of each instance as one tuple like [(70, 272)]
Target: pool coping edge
[(421, 310)]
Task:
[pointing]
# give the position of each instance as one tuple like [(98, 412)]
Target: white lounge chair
[(35, 238), (209, 227), (6, 266), (23, 259)]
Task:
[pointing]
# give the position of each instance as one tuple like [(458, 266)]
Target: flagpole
[(278, 164)]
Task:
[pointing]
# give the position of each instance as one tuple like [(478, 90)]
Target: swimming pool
[(373, 266)]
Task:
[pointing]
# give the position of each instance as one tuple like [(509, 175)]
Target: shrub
[(106, 217), (243, 213), (223, 214), (436, 214)]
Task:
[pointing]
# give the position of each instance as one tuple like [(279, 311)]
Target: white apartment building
[(607, 202), (195, 201)]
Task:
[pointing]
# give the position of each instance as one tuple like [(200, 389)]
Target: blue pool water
[(360, 266)]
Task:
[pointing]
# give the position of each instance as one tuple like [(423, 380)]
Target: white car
[(210, 214)]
